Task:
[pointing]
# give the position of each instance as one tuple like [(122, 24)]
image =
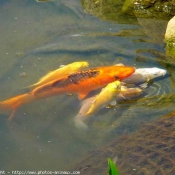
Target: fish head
[(151, 73), (79, 65), (114, 86), (121, 72), (117, 85), (82, 64)]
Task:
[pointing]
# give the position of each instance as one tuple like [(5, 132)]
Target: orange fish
[(81, 82)]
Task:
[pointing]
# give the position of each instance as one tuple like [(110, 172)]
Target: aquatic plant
[(112, 168)]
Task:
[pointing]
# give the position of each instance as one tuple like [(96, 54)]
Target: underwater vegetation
[(112, 168)]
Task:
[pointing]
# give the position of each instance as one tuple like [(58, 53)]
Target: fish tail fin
[(15, 102), (79, 122)]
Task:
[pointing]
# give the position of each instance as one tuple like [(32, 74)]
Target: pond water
[(39, 37)]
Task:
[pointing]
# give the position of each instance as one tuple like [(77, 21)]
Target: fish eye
[(116, 77)]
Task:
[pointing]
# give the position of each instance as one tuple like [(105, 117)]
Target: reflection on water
[(43, 136)]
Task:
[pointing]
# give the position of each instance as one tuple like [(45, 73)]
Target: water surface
[(39, 37)]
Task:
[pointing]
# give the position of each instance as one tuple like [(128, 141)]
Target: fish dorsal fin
[(82, 94)]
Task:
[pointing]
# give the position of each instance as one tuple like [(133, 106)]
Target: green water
[(39, 37)]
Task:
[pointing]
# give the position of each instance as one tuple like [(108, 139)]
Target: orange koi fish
[(81, 82)]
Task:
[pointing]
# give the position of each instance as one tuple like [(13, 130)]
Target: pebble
[(19, 54), (23, 74)]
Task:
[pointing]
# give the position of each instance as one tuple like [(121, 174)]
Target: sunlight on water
[(39, 37)]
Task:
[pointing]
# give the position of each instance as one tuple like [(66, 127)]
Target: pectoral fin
[(80, 124), (82, 94), (144, 85)]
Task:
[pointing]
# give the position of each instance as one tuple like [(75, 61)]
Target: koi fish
[(62, 71), (144, 75), (124, 93), (92, 104), (81, 82), (107, 95)]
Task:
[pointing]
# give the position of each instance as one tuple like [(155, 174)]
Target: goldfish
[(81, 82), (124, 93), (62, 71), (105, 96), (92, 104)]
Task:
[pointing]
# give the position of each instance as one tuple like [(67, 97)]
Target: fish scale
[(83, 75), (71, 79), (61, 83), (45, 88)]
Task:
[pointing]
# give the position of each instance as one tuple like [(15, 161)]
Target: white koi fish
[(142, 75)]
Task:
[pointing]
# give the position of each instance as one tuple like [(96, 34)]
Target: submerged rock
[(150, 150)]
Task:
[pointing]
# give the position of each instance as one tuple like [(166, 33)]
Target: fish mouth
[(163, 73)]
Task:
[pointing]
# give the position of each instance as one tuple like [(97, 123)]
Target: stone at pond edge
[(170, 37), (170, 31)]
